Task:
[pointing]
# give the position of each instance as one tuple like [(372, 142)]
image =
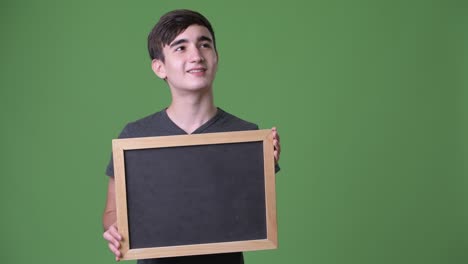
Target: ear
[(158, 68)]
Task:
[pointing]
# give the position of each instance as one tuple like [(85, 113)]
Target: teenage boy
[(182, 47)]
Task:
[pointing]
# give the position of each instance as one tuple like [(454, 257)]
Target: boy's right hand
[(113, 238)]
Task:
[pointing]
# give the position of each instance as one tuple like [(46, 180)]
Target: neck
[(192, 110)]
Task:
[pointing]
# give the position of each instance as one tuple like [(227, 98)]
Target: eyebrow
[(181, 41)]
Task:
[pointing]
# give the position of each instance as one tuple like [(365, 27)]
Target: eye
[(180, 48), (206, 45)]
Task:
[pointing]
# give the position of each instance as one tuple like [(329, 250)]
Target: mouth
[(197, 70)]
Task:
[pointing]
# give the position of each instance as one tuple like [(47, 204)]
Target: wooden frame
[(121, 145)]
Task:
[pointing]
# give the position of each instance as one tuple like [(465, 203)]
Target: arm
[(109, 220)]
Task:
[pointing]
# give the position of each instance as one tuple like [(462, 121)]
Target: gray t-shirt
[(159, 124)]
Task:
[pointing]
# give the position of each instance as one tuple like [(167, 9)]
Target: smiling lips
[(197, 71)]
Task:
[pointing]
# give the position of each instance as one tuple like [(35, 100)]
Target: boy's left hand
[(276, 144)]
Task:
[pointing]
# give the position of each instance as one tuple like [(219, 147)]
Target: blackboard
[(195, 194)]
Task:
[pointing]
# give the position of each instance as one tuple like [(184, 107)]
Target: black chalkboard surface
[(197, 194)]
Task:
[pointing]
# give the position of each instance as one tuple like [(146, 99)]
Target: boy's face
[(190, 61)]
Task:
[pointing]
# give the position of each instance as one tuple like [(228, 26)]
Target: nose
[(196, 55)]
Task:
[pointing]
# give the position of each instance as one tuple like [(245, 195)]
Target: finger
[(113, 228), (115, 250), (275, 133), (115, 233), (275, 153), (277, 145), (275, 150), (111, 238), (109, 235)]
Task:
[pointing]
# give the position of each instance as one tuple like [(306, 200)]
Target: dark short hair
[(170, 26)]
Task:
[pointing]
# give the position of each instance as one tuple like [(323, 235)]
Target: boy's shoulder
[(230, 122), (151, 125)]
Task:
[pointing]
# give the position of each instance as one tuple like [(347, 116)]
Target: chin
[(199, 86), (193, 86)]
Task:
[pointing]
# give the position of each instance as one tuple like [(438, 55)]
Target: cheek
[(215, 63), (175, 67)]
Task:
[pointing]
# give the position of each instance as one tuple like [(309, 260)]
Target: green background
[(370, 99)]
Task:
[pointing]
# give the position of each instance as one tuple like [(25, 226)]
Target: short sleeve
[(110, 165), (277, 168)]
